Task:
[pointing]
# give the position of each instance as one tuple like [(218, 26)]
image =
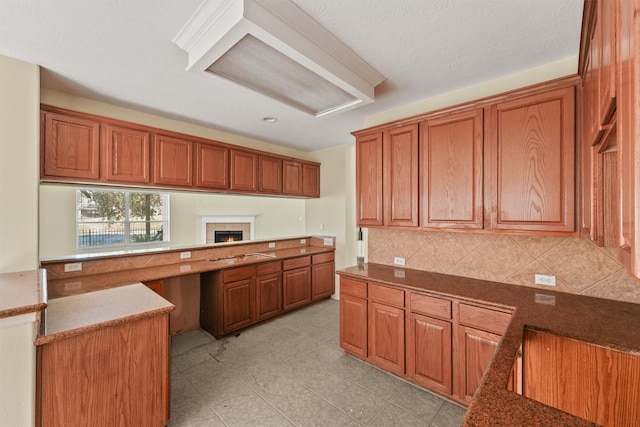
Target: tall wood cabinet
[(400, 176), (369, 179)]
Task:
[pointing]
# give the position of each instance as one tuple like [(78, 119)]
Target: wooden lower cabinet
[(268, 290), (323, 277), (296, 282), (444, 344), (238, 304), (386, 328), (117, 375), (429, 352)]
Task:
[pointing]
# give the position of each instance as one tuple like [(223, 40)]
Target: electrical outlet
[(398, 260), (272, 245), (73, 266), (185, 255), (303, 241), (185, 268), (542, 279), (398, 273)]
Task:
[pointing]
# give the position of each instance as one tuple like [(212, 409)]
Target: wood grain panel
[(484, 318), (592, 382), (400, 176), (310, 180), (127, 155), (302, 261), (451, 155), (212, 166), (268, 295), (386, 337), (429, 353), (353, 287), (296, 287), (71, 147), (116, 376), (353, 325), (238, 304), (387, 295), (432, 306), (173, 161), (476, 349), (323, 280), (292, 177), (534, 149), (369, 180), (244, 171), (269, 174)]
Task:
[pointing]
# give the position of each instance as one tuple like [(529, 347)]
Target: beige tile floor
[(291, 371)]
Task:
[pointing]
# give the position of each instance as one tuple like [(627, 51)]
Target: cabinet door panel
[(71, 147), (386, 337), (310, 180), (270, 174), (606, 72), (268, 295), (237, 303), (476, 348), (244, 171), (369, 180), (296, 287), (127, 155), (451, 171), (322, 280), (173, 161), (533, 150), (429, 353), (353, 325), (212, 166), (292, 178), (400, 176)]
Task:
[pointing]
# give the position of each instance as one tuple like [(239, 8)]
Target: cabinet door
[(628, 112), (386, 337), (475, 350), (310, 180), (127, 155), (270, 174), (400, 176), (292, 178), (531, 153), (296, 287), (268, 295), (71, 147), (212, 166), (237, 304), (369, 180), (173, 161), (244, 171), (451, 171), (322, 280), (353, 325), (606, 71), (429, 353)]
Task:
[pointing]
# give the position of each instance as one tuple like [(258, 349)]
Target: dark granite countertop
[(94, 282), (597, 321)]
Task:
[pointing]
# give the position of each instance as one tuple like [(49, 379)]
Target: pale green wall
[(19, 160)]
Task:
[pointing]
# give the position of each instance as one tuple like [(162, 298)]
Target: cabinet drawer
[(431, 306), (484, 318), (320, 258), (268, 268), (353, 287), (389, 296), (289, 264), (235, 274)]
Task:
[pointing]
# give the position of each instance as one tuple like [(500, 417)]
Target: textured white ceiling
[(121, 52)]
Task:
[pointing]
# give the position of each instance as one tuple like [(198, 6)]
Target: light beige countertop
[(73, 315), (22, 292)]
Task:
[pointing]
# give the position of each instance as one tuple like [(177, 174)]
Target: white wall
[(19, 161)]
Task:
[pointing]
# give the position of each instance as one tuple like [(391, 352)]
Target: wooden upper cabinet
[(369, 179), (451, 168), (212, 166), (70, 147), (310, 180), (127, 155), (531, 155), (269, 174), (292, 177), (244, 170), (173, 161), (607, 60), (400, 176)]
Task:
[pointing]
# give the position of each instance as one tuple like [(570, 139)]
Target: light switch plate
[(185, 255), (73, 266), (543, 279), (272, 245), (398, 260)]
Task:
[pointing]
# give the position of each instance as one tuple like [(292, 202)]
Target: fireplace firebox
[(227, 236)]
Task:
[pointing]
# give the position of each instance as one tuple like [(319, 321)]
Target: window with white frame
[(106, 218)]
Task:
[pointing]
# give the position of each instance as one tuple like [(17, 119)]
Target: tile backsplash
[(580, 267)]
